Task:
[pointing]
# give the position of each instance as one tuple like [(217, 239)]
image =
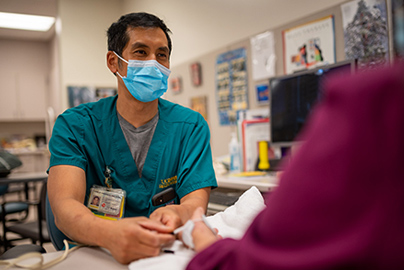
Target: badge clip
[(108, 178)]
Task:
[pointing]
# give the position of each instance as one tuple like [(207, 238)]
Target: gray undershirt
[(138, 139)]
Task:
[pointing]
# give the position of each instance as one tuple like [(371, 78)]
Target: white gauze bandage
[(188, 228)]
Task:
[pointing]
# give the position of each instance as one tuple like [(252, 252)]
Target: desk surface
[(82, 258), (97, 258), (24, 177), (263, 183)]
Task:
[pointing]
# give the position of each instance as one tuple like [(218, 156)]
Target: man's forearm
[(190, 202), (76, 221)]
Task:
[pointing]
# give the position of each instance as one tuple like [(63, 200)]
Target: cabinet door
[(33, 162), (8, 97), (32, 99)]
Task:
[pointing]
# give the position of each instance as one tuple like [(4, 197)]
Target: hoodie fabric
[(340, 201)]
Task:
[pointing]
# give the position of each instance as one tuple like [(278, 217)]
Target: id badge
[(107, 202)]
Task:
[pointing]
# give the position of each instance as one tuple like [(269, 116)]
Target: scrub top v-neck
[(138, 139), (89, 136)]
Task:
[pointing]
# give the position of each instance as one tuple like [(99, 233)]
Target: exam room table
[(232, 222)]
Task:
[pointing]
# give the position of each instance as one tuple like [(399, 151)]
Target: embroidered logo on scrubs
[(168, 182)]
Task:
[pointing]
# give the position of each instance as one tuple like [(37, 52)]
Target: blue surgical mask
[(145, 80)]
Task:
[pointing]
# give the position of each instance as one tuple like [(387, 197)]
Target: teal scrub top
[(89, 137)]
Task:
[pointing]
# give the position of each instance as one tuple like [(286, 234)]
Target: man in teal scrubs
[(134, 142)]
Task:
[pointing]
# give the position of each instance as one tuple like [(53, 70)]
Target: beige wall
[(201, 30), (54, 75), (83, 43), (202, 26), (199, 27), (224, 30)]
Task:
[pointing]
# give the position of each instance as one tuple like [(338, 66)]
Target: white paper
[(263, 56)]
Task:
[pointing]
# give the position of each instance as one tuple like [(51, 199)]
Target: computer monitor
[(294, 96)]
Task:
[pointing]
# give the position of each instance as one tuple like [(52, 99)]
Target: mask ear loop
[(120, 75), (120, 57), (122, 60)]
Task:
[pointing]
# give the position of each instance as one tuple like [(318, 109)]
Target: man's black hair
[(117, 32)]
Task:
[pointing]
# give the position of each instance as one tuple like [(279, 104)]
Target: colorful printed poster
[(309, 45), (262, 93), (199, 104), (366, 32), (231, 85)]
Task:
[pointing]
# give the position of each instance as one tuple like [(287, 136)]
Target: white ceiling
[(34, 7)]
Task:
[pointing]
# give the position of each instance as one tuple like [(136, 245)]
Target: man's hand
[(174, 216), (168, 216), (135, 238), (127, 239)]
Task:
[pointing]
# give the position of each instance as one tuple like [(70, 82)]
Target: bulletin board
[(231, 85)]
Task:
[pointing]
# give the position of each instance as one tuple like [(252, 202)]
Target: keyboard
[(224, 198)]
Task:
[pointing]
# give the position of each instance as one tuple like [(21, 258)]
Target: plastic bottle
[(263, 164), (234, 151)]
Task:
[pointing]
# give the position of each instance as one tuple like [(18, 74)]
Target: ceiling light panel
[(26, 22)]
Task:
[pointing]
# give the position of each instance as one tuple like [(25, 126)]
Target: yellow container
[(263, 164)]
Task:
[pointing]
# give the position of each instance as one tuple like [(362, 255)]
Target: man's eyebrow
[(142, 45), (164, 49), (139, 45)]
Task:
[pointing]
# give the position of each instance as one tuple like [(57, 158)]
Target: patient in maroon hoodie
[(340, 201)]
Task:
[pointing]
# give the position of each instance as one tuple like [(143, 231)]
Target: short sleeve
[(196, 165), (64, 144)]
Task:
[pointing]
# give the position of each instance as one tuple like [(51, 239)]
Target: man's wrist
[(104, 229)]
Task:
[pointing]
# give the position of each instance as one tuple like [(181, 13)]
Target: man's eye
[(142, 52), (162, 55)]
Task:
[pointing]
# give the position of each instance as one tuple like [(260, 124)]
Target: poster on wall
[(80, 94), (83, 94), (175, 85), (398, 28), (263, 56), (199, 104), (103, 92), (196, 73), (231, 85), (309, 45), (366, 32), (262, 93)]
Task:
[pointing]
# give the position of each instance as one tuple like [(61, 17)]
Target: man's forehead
[(139, 32)]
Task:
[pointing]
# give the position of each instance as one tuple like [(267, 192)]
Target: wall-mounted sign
[(231, 85)]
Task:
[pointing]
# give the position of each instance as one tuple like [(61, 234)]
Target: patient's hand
[(202, 235), (168, 215)]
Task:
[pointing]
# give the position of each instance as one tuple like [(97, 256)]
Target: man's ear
[(112, 61)]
